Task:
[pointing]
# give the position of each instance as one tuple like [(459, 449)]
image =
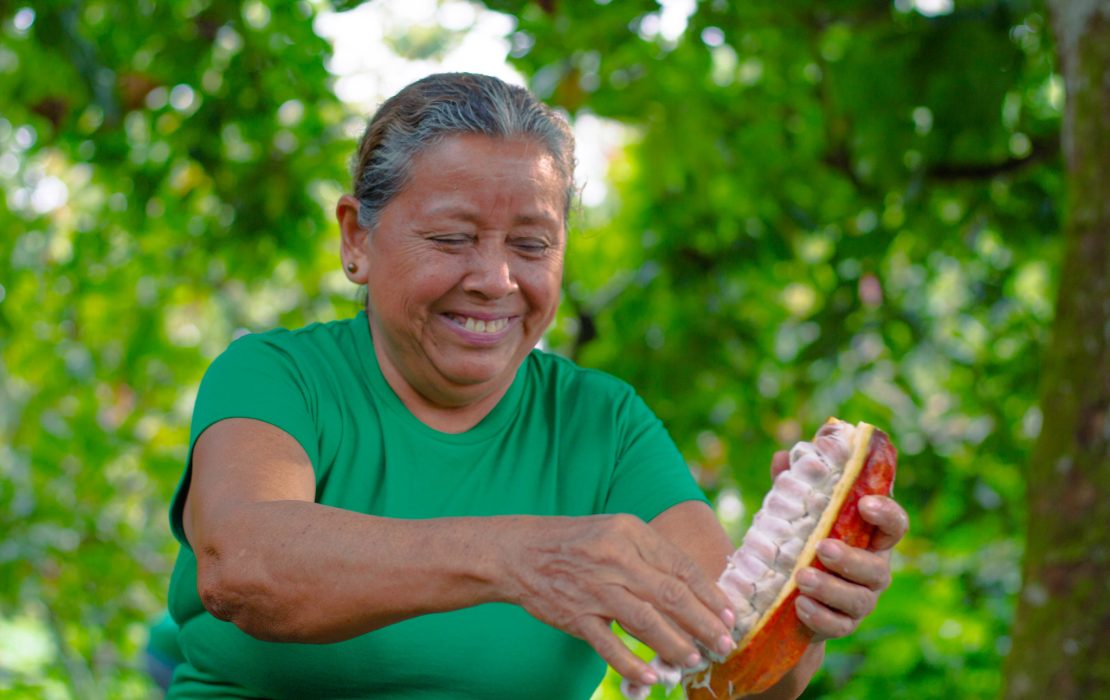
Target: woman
[(416, 503)]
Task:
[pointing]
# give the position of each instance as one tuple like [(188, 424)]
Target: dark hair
[(432, 108)]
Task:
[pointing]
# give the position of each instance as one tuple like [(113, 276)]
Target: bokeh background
[(789, 211)]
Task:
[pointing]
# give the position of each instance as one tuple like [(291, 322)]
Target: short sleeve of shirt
[(254, 378), (650, 475)]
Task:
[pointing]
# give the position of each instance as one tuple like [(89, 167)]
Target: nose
[(491, 274)]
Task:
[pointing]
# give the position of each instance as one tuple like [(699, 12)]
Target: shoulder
[(293, 379), (587, 396), (307, 344), (310, 360), (297, 338), (561, 374)]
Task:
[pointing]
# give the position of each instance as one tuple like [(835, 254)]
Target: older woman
[(415, 502)]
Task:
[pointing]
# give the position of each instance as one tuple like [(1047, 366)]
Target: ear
[(353, 248)]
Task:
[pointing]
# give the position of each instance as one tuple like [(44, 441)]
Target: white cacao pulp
[(780, 541)]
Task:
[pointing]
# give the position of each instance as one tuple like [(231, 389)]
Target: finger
[(859, 566), (853, 600), (598, 635), (891, 519), (712, 611), (825, 622), (694, 618), (685, 594), (780, 462), (643, 621)]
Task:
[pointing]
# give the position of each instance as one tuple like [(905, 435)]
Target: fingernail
[(869, 505), (728, 617), (806, 607), (725, 645), (807, 579), (693, 660), (649, 678), (829, 550)]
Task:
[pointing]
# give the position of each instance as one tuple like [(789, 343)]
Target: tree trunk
[(1060, 646)]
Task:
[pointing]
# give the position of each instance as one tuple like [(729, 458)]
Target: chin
[(474, 378)]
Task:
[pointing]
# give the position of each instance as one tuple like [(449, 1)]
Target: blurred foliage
[(833, 209), (167, 171), (842, 208)]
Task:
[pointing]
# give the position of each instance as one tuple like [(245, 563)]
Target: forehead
[(474, 171)]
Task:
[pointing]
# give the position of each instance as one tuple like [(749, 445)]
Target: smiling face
[(463, 268)]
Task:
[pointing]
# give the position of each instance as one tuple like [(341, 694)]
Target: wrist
[(502, 549), (516, 542)]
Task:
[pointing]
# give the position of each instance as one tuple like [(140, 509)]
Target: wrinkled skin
[(589, 571)]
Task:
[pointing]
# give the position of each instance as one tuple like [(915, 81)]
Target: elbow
[(233, 594)]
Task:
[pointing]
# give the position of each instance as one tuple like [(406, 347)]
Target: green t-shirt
[(562, 441)]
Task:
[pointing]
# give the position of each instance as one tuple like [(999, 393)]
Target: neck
[(441, 415), (453, 412)]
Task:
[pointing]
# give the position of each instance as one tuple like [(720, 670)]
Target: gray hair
[(425, 112)]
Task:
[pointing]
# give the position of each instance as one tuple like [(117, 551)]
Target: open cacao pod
[(814, 499)]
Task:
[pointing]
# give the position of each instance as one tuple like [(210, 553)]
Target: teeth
[(480, 326)]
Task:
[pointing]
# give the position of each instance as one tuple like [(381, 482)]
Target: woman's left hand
[(832, 603)]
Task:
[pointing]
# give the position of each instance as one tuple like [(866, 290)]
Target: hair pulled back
[(445, 104)]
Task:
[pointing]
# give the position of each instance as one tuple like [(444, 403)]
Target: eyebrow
[(541, 220), (471, 215)]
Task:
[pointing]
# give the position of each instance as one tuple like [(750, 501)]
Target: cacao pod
[(815, 498)]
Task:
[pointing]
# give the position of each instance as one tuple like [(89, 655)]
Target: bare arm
[(284, 568)]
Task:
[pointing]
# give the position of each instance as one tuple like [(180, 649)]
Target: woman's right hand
[(579, 574)]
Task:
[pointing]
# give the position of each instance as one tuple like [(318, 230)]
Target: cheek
[(543, 288), (556, 280), (542, 279), (411, 288)]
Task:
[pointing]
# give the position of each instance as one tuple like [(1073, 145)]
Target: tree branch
[(1042, 150)]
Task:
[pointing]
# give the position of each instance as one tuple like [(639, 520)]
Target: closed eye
[(450, 240), (531, 246)]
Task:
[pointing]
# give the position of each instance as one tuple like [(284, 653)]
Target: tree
[(1063, 612)]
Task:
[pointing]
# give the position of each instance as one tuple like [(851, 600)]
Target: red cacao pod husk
[(776, 643)]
